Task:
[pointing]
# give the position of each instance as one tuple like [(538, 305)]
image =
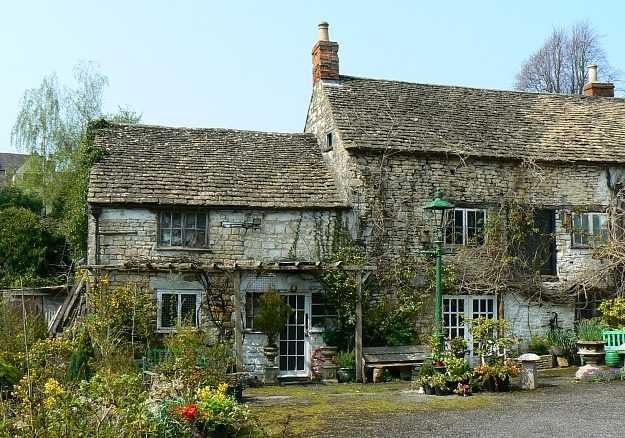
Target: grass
[(310, 408)]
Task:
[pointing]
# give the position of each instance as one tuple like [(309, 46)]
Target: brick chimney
[(325, 56), (595, 88)]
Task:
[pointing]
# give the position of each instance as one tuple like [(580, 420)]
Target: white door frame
[(306, 328), (469, 313)]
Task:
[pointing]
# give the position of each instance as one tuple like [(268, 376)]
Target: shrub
[(28, 248), (345, 359), (539, 345), (193, 361), (613, 312)]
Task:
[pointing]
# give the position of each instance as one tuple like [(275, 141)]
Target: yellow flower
[(52, 388)]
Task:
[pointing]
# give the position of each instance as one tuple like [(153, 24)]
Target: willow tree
[(51, 126)]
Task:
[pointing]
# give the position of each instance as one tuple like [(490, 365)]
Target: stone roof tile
[(210, 167), (380, 114)]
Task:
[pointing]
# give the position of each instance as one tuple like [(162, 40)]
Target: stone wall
[(389, 189), (127, 233)]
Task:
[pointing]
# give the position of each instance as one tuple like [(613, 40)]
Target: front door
[(294, 348)]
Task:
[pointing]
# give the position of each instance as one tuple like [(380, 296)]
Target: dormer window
[(186, 229)]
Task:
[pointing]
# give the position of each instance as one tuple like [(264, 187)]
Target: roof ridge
[(188, 128), (495, 90)]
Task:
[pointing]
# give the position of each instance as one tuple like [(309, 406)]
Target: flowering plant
[(463, 389)]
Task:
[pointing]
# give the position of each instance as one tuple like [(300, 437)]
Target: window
[(184, 229), (320, 311), (177, 307), (329, 141), (252, 304), (465, 226), (589, 229)]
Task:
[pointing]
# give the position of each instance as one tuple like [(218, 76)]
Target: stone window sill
[(182, 248)]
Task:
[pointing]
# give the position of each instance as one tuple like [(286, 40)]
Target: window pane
[(176, 220), (201, 221), (458, 227), (169, 310), (189, 220), (165, 219), (176, 237), (188, 309), (166, 237)]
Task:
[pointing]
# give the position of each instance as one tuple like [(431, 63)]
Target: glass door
[(294, 338)]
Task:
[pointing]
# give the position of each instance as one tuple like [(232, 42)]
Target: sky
[(247, 64)]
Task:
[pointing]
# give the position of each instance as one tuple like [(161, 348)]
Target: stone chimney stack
[(325, 56), (596, 88)]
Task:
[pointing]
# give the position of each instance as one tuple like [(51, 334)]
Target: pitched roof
[(210, 167), (12, 161), (373, 113)]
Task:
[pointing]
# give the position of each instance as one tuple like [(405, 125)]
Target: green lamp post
[(438, 206)]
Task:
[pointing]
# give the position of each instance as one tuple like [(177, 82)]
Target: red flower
[(190, 411)]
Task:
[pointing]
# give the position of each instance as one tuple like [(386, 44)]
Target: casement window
[(177, 308), (589, 229), (252, 305), (465, 226), (183, 229), (320, 311), (459, 309)]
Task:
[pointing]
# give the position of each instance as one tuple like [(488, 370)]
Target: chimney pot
[(592, 73), (324, 35)]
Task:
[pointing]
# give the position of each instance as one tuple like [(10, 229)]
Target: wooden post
[(236, 319), (358, 346)]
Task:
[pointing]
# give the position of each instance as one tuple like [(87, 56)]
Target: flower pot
[(345, 375), (441, 391), (428, 390)]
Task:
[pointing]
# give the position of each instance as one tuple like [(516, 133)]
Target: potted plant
[(590, 341), (271, 319), (346, 361), (439, 384), (458, 346), (426, 371)]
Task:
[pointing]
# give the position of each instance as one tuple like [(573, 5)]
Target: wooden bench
[(379, 358)]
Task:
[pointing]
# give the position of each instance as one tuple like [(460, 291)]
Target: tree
[(52, 126), (560, 65), (28, 250)]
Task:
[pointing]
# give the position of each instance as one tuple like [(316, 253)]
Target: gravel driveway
[(569, 410)]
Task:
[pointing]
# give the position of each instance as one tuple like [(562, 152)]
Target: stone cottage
[(184, 211)]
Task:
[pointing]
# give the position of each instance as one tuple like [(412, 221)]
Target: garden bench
[(614, 346), (379, 358)]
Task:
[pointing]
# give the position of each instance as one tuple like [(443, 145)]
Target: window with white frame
[(177, 308), (458, 310), (183, 229), (589, 229), (465, 226)]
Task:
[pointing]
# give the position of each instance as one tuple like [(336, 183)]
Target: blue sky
[(246, 64)]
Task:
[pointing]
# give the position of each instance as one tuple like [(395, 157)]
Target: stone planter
[(270, 352), (345, 375), (270, 371), (328, 353), (591, 352)]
